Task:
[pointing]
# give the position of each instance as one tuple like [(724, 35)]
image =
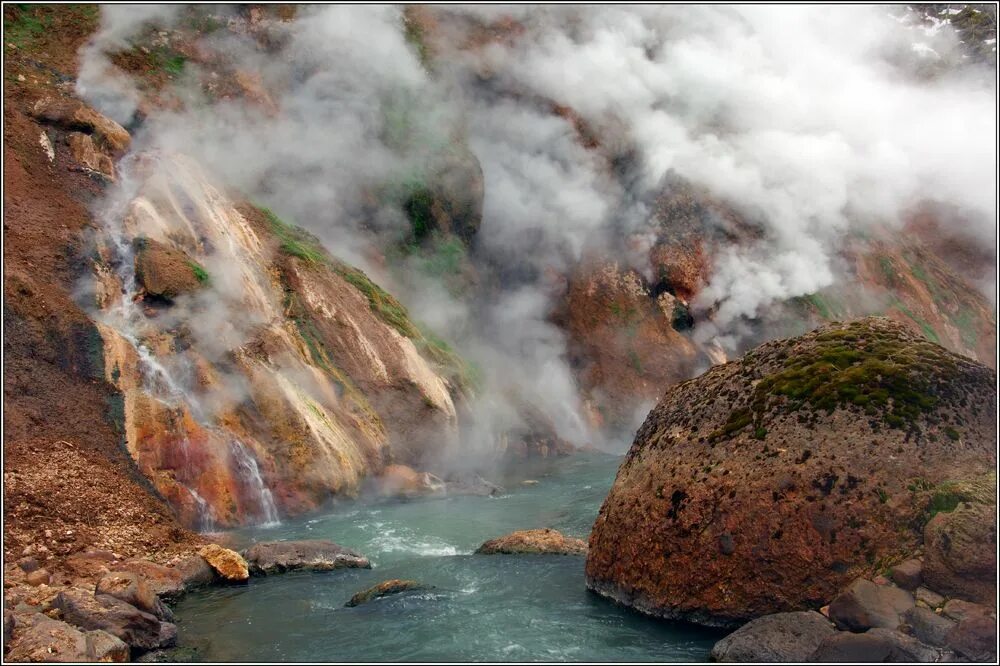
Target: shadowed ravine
[(483, 607)]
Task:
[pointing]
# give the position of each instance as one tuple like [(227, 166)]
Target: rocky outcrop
[(545, 542), (166, 272), (39, 638), (782, 637), (136, 628), (133, 589), (385, 589), (228, 564), (742, 492), (960, 549), (281, 556), (71, 114)]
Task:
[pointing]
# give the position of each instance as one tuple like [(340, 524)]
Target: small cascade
[(250, 474), (206, 517)]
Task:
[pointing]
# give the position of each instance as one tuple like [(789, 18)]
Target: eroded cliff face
[(259, 375)]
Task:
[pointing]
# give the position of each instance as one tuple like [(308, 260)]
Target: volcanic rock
[(280, 556), (865, 605), (927, 626), (960, 550), (545, 541), (385, 589), (875, 645), (137, 628), (797, 460), (72, 114), (133, 589), (228, 564), (40, 638), (908, 574), (782, 637), (404, 481), (164, 271)]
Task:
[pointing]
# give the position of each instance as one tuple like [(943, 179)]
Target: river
[(482, 607)]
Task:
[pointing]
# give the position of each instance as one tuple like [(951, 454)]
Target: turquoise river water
[(482, 607)]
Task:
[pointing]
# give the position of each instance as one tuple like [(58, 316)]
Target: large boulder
[(782, 637), (166, 272), (280, 556), (138, 629), (865, 605), (166, 582), (40, 638), (876, 645), (544, 541), (960, 552), (768, 484), (228, 564), (385, 589)]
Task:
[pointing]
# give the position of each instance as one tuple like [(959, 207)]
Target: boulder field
[(770, 483)]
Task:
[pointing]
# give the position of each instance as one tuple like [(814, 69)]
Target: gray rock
[(876, 645), (865, 605), (975, 638), (195, 572), (280, 556), (929, 597), (908, 575), (927, 626), (40, 638), (786, 637), (959, 609), (137, 628), (385, 589)]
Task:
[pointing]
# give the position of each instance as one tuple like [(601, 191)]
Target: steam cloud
[(815, 122)]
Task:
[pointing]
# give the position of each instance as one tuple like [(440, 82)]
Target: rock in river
[(545, 541), (788, 637), (384, 589), (280, 556)]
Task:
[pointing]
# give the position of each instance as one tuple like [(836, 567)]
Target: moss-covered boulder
[(769, 483)]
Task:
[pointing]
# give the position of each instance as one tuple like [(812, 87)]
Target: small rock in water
[(545, 541), (229, 564), (384, 589), (529, 482), (312, 555)]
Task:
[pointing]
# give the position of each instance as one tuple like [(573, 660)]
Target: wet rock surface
[(543, 541), (280, 556), (384, 589)]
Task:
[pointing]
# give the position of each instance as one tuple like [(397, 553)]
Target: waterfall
[(130, 321), (206, 517), (250, 475)]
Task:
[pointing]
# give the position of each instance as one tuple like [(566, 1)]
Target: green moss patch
[(856, 366)]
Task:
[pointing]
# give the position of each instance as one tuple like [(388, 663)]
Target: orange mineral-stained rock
[(229, 564)]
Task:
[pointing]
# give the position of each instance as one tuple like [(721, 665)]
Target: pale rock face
[(267, 388)]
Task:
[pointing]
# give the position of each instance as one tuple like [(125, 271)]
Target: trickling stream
[(483, 607)]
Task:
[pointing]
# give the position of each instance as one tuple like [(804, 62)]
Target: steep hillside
[(768, 483)]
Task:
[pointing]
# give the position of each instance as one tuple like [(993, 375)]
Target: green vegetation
[(928, 330), (22, 25), (948, 495), (200, 273), (952, 434), (465, 374), (172, 64), (857, 365), (634, 361), (295, 241), (415, 37), (445, 257), (888, 271)]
